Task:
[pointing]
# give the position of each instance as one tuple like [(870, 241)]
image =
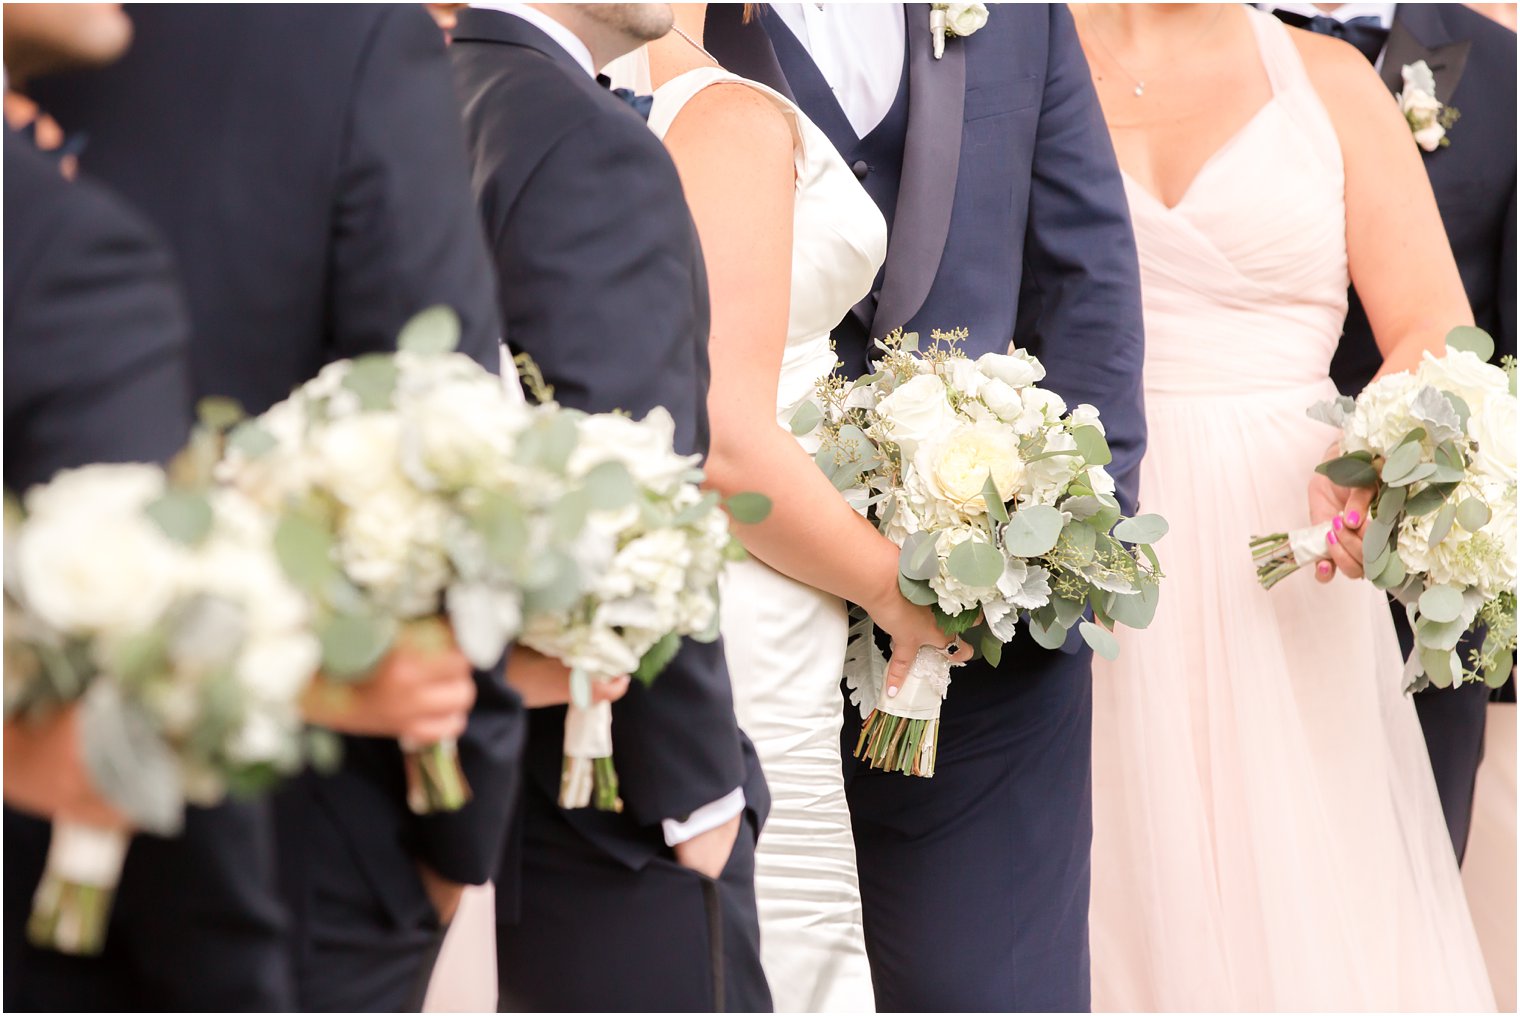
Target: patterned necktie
[(641, 104), (1365, 33)]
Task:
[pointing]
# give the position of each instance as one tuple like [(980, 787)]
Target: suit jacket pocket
[(997, 98)]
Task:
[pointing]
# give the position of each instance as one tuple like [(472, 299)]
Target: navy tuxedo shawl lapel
[(744, 48), (931, 159), (480, 25), (1419, 33)]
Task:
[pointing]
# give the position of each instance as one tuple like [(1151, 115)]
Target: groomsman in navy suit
[(1007, 215), (306, 164), (602, 282), (1473, 60)]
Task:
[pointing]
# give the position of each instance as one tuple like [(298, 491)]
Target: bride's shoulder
[(1345, 81)]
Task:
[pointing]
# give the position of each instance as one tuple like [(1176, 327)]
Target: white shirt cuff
[(704, 819)]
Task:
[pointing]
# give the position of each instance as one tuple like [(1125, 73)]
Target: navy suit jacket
[(602, 282), (307, 166), (1473, 59), (96, 337)]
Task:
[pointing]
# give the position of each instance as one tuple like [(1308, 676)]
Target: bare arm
[(1400, 258), (733, 149)]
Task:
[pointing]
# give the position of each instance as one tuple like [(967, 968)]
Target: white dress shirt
[(709, 816), (1343, 13), (568, 40), (859, 51)]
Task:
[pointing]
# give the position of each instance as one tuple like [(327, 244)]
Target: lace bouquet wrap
[(997, 495), (1437, 444)]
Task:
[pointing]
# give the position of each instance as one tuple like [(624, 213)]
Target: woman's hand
[(911, 628), (419, 693), (1347, 510), (544, 681), (45, 772)]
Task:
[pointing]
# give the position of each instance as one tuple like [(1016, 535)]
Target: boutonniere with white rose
[(955, 20), (1428, 118)]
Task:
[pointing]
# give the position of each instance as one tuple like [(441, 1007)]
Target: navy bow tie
[(641, 104), (1365, 33)]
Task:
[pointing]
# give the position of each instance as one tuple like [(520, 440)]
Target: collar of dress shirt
[(567, 40), (1345, 12)]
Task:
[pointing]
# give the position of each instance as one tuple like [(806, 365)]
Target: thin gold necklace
[(1140, 83)]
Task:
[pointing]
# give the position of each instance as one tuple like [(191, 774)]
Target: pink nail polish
[(891, 693), (1354, 519), (1330, 538), (1323, 567), (1336, 522)]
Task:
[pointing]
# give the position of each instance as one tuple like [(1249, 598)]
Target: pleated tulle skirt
[(1267, 834), (785, 645)]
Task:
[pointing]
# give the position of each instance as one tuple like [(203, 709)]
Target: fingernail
[(1323, 567), (1336, 522), (1330, 538), (1354, 519), (891, 692)]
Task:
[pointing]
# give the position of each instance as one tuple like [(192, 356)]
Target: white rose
[(1086, 416), (1464, 375), (1102, 483), (1018, 368), (1429, 137), (645, 446), (956, 468), (1493, 428), (962, 375), (458, 435), (278, 668), (962, 20), (111, 572), (1001, 397), (97, 491), (359, 456), (1041, 409), (916, 412), (1419, 102)]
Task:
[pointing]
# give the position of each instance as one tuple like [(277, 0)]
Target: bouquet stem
[(1279, 555), (72, 905), (588, 778), (902, 734), (435, 782)]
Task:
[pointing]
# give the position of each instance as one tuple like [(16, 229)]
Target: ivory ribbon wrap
[(1308, 544), (588, 736), (924, 690), (87, 855)]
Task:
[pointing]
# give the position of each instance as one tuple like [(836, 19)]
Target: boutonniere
[(1429, 120), (955, 20)]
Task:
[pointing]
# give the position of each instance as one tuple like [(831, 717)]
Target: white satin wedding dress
[(785, 641)]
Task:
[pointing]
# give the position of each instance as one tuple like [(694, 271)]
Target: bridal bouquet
[(651, 547), (998, 497), (163, 613), (409, 489), (1439, 444)]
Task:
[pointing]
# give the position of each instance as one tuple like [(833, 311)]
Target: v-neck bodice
[(1245, 278)]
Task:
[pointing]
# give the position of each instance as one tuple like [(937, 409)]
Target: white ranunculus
[(1041, 409), (1018, 368), (359, 457), (113, 572), (962, 375), (916, 412), (1087, 416), (955, 469), (962, 20), (1494, 427)]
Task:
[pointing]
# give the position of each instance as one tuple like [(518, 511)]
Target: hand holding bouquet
[(1438, 446), (998, 497), (162, 612)]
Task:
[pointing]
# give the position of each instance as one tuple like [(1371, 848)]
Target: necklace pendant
[(1140, 89)]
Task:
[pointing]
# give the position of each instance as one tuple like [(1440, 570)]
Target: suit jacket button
[(860, 169)]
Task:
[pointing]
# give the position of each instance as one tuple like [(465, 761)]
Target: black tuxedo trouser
[(595, 935)]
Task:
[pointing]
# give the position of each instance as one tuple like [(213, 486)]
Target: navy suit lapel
[(1419, 33), (481, 25), (931, 159)]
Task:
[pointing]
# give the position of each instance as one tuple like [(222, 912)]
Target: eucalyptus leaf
[(1349, 471), (184, 517), (996, 510), (609, 486), (1441, 603), (1429, 499), (557, 437), (1093, 446), (749, 508), (219, 413), (568, 514), (1473, 340), (373, 378), (1401, 461), (304, 550), (1439, 634), (251, 440), (1080, 541), (806, 419), (1393, 573), (975, 563), (1439, 668), (1137, 609), (503, 526), (917, 591), (354, 644), (1461, 408), (1375, 535), (1390, 502), (552, 583), (1443, 522), (697, 510), (1067, 611), (1033, 531), (657, 658), (1083, 507), (435, 330), (1413, 437), (1423, 471), (918, 558), (991, 649), (1141, 529), (1048, 636), (1473, 514), (1100, 639)]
